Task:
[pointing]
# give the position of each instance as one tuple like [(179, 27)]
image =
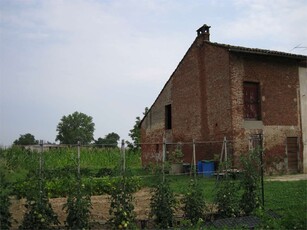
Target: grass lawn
[(289, 200)]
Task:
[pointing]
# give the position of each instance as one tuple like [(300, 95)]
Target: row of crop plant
[(39, 213)]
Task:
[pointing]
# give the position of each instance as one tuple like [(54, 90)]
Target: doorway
[(292, 153)]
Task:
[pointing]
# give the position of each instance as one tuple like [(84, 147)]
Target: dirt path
[(291, 177)]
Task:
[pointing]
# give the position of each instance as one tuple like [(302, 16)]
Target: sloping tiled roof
[(242, 49)]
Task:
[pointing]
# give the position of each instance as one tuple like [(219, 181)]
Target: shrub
[(121, 208), (162, 205), (194, 203)]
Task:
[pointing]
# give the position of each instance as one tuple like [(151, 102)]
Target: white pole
[(194, 160), (225, 143), (222, 152), (41, 143), (78, 159), (123, 156), (163, 157)]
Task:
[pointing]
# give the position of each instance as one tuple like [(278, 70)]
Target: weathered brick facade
[(207, 102)]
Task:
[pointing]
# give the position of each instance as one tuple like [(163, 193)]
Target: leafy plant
[(227, 192), (78, 208), (78, 201), (194, 203), (163, 204), (175, 156), (250, 181), (5, 215), (39, 214), (187, 224), (227, 198), (121, 208)]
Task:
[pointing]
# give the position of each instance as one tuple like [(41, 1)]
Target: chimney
[(204, 32)]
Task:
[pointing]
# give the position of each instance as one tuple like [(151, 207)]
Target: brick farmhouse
[(240, 93)]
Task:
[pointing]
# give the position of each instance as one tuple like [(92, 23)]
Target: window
[(251, 101), (168, 117), (255, 141)]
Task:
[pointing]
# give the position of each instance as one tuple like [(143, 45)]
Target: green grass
[(288, 199)]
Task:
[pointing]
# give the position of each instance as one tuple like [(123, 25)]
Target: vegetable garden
[(79, 175)]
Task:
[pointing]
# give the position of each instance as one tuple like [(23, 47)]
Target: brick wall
[(153, 127), (216, 85), (182, 91), (186, 99), (206, 94), (278, 79)]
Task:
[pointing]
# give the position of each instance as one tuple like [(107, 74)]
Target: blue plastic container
[(208, 168), (199, 167)]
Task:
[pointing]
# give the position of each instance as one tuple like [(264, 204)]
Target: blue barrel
[(208, 168), (199, 167)]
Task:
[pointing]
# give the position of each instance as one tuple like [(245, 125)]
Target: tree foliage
[(75, 127), (26, 139), (135, 133), (110, 140)]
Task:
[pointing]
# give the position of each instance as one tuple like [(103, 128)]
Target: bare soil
[(101, 204), (99, 211)]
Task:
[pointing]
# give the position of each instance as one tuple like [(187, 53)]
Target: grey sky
[(110, 59)]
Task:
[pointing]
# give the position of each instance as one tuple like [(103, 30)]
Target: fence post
[(163, 158), (123, 156), (261, 168), (225, 143), (194, 160), (78, 159), (222, 152), (41, 143)]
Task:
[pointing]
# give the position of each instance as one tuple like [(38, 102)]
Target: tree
[(26, 139), (75, 127), (135, 133), (110, 140)]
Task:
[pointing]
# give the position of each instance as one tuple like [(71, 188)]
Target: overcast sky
[(109, 59)]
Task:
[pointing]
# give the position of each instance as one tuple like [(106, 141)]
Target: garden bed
[(99, 211)]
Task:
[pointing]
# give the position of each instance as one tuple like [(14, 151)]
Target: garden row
[(37, 184)]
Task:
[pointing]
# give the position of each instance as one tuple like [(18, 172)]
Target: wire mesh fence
[(181, 158), (54, 168)]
